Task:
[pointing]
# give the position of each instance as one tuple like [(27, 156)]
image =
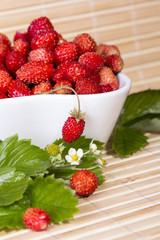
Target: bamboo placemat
[(125, 207)]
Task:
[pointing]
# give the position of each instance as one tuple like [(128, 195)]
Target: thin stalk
[(59, 88)]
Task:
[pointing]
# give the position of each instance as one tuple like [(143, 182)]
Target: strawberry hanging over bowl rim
[(41, 117)]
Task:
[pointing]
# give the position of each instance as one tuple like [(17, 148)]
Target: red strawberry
[(59, 73), (72, 129), (61, 39), (105, 88), (48, 39), (108, 77), (21, 35), (94, 77), (5, 80), (100, 48), (2, 67), (41, 55), (14, 60), (22, 46), (63, 90), (42, 87), (35, 72), (86, 86), (36, 219), (85, 43), (108, 50), (67, 51), (2, 95), (115, 62), (3, 52), (92, 61), (84, 182), (5, 40), (18, 89), (39, 25), (75, 71)]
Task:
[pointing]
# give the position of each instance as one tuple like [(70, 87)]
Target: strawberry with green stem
[(74, 125)]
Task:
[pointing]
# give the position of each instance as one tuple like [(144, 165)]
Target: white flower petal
[(101, 161), (74, 163), (68, 158), (97, 152), (79, 152), (72, 152), (93, 146)]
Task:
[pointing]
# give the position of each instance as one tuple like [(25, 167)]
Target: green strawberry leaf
[(12, 185), (53, 197), (141, 112), (81, 142), (148, 125), (12, 216), (25, 157), (127, 141), (140, 106)]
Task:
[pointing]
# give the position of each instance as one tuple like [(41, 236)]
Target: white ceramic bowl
[(41, 117)]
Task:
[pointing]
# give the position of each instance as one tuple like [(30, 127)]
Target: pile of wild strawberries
[(41, 60)]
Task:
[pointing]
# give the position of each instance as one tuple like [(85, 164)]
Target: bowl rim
[(125, 85)]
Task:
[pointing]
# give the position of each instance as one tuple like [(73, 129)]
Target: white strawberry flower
[(93, 148), (101, 161), (74, 156)]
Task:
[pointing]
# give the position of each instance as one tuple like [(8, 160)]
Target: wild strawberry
[(36, 219), (2, 67), (86, 86), (3, 52), (108, 77), (48, 39), (72, 129), (115, 62), (18, 89), (35, 72), (67, 51), (108, 50), (105, 88), (59, 73), (100, 48), (5, 40), (63, 83), (92, 61), (21, 35), (42, 87), (75, 71), (85, 43), (22, 46), (94, 77), (41, 55), (61, 39), (84, 182), (2, 95), (39, 25), (14, 60), (5, 80)]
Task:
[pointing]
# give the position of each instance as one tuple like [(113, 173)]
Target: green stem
[(59, 88)]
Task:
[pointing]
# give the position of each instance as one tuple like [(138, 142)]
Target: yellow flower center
[(103, 161), (74, 158)]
